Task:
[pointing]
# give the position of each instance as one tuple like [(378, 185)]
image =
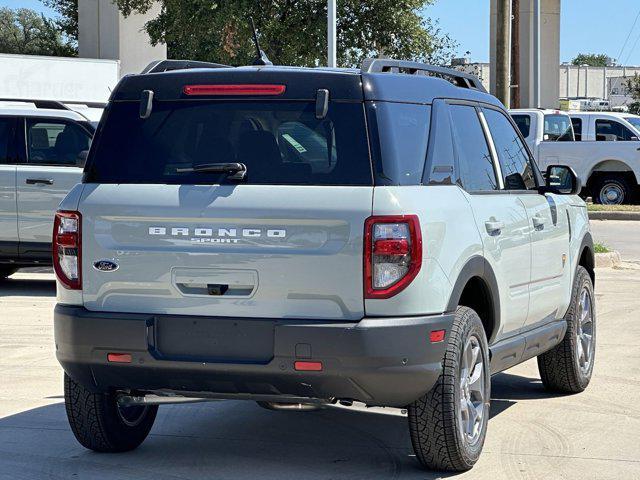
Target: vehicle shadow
[(235, 440), (507, 386), (33, 287)]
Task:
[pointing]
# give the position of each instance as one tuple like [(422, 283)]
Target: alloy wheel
[(585, 344), (471, 411)]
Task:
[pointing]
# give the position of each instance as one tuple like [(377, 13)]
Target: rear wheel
[(448, 425), (611, 189), (7, 271), (100, 424), (568, 367)]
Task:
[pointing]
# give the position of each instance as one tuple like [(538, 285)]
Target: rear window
[(523, 123), (557, 128), (281, 143)]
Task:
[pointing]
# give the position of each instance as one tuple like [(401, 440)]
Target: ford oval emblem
[(105, 266)]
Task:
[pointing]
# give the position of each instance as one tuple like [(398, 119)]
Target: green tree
[(67, 21), (592, 59), (25, 31), (293, 32), (633, 87)]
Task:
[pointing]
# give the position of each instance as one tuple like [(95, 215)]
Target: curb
[(634, 216), (608, 260)]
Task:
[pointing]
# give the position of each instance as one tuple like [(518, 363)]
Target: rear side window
[(577, 128), (516, 166), (524, 124), (56, 142), (280, 142), (474, 159), (557, 128), (400, 135), (612, 131)]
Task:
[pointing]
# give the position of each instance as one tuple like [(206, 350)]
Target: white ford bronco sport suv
[(313, 236)]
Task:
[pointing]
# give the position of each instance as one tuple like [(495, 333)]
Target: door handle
[(494, 227), (41, 181), (538, 221)]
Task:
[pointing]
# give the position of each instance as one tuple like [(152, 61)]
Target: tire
[(6, 272), (436, 420), (99, 424), (567, 368), (612, 189)]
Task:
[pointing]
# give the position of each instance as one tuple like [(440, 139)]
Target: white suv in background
[(43, 147)]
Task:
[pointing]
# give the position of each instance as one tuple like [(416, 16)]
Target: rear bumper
[(379, 361)]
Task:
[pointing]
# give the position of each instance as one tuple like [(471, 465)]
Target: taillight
[(67, 249), (392, 254)]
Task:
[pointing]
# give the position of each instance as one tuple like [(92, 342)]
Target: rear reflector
[(308, 366), (219, 90), (119, 357), (437, 336)]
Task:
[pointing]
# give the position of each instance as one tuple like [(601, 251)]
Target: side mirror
[(561, 180)]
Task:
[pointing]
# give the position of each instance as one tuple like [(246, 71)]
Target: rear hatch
[(284, 242)]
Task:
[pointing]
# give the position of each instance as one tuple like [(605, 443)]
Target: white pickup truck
[(603, 148)]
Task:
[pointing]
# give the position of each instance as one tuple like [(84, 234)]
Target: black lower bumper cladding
[(378, 361)]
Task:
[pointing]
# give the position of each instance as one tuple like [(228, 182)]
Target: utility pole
[(502, 52), (536, 54), (331, 34), (515, 54)]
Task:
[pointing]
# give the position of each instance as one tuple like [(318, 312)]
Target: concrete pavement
[(623, 236), (532, 434)]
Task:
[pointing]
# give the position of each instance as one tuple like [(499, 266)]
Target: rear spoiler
[(159, 66)]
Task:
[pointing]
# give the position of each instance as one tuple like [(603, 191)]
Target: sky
[(586, 26), (467, 21)]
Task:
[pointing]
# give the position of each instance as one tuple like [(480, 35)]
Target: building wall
[(105, 33)]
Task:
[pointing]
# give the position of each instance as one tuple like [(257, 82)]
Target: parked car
[(43, 146), (313, 236), (605, 154)]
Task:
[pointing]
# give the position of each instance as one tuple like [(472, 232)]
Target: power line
[(628, 36)]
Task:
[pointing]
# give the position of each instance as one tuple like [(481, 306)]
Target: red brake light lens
[(234, 90), (67, 249), (392, 254)]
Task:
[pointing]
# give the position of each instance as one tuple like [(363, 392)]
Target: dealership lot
[(532, 435)]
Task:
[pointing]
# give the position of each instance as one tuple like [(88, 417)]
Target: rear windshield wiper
[(236, 171)]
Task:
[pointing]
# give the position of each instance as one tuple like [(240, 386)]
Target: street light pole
[(331, 34)]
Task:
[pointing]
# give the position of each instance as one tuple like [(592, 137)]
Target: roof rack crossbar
[(158, 66), (460, 79)]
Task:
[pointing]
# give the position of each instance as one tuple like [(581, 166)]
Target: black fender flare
[(478, 266), (587, 244)]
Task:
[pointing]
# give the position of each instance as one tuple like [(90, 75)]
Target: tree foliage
[(592, 59), (25, 31), (67, 21), (633, 87), (294, 32)]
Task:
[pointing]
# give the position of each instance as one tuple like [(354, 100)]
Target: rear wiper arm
[(236, 171)]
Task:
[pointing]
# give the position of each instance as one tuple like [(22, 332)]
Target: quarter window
[(54, 142), (474, 159), (516, 166)]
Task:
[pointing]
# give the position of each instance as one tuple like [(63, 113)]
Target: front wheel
[(100, 424), (568, 367), (448, 425)]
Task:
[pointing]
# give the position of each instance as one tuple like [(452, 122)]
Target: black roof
[(380, 80)]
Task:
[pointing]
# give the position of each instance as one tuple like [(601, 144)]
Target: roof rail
[(54, 104), (158, 66), (459, 79)]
